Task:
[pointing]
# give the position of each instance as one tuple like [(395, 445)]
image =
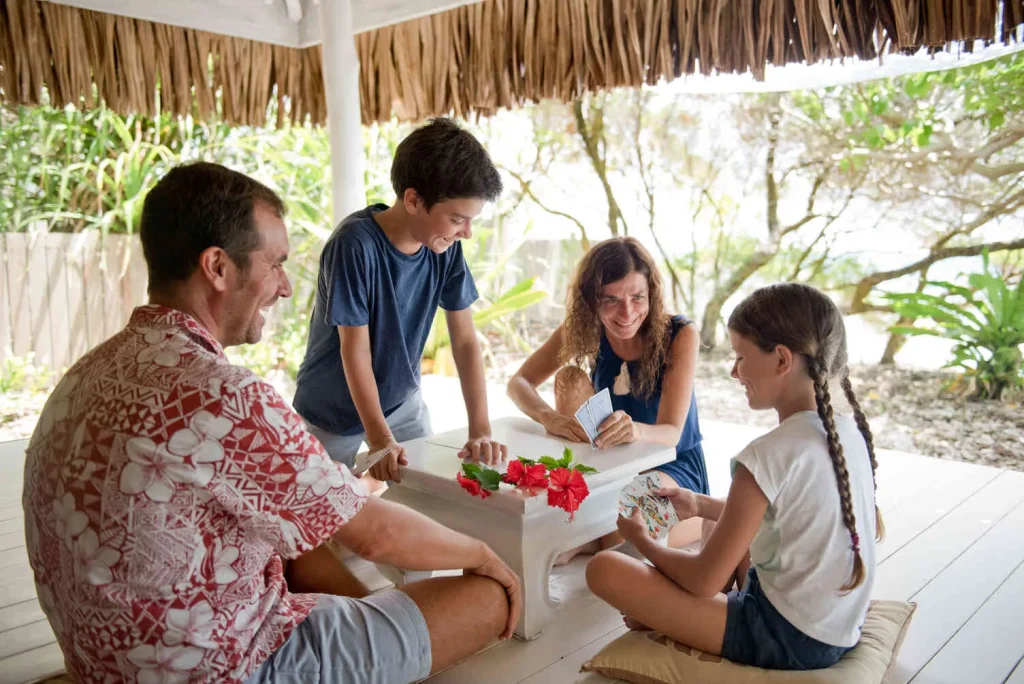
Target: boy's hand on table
[(484, 450)]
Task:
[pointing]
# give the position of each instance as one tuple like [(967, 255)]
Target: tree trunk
[(590, 137), (761, 256), (713, 310), (895, 343)]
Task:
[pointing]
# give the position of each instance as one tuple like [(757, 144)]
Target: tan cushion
[(652, 658)]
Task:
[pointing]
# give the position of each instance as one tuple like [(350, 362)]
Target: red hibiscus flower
[(515, 472), (522, 475), (566, 490), (535, 476), (472, 486)]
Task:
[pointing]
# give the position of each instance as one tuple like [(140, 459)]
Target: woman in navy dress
[(617, 334)]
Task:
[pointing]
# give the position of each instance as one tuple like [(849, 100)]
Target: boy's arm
[(357, 362), (470, 364)]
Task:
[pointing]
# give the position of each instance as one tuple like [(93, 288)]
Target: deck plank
[(903, 573), (26, 638), (1017, 676), (31, 665), (912, 517), (19, 614), (12, 540), (949, 600), (984, 650), (567, 670)]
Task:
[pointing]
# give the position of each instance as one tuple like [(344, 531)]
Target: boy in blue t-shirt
[(383, 273)]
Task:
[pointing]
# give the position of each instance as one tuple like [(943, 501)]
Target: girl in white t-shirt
[(799, 524)]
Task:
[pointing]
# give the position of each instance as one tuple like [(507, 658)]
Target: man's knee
[(492, 596)]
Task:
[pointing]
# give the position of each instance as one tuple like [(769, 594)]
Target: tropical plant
[(984, 318)]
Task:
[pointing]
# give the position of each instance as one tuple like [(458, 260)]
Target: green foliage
[(985, 318), (487, 477), (20, 374)]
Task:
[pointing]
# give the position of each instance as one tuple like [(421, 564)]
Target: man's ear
[(785, 360), (215, 266), (411, 200)]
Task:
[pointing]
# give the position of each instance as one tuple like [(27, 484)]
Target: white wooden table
[(524, 531)]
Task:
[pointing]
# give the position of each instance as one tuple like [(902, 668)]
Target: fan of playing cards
[(595, 411), (657, 511)]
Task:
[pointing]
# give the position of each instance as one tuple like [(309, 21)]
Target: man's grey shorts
[(411, 420), (380, 639)]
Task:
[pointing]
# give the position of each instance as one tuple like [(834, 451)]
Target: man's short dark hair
[(441, 161), (194, 207)]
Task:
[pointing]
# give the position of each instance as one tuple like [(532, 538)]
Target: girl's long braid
[(869, 440), (817, 371)]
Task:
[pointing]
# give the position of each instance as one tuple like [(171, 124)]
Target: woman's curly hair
[(608, 262)]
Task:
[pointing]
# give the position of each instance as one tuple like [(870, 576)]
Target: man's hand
[(495, 568), (386, 469), (484, 450)]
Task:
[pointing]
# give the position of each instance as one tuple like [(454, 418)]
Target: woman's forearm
[(526, 397)]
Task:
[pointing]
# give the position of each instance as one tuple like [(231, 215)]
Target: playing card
[(366, 460), (601, 406), (595, 411), (583, 416), (657, 511)]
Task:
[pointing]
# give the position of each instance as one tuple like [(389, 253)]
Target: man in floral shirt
[(165, 488)]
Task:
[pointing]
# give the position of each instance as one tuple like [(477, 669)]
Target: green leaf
[(566, 457), (549, 462), (925, 136), (489, 479), (585, 469), (472, 471), (526, 461)]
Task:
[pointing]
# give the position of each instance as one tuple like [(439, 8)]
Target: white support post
[(341, 85)]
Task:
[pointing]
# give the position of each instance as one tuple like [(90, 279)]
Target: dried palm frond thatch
[(476, 58)]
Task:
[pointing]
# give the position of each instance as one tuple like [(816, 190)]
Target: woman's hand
[(683, 500), (618, 428), (566, 427)]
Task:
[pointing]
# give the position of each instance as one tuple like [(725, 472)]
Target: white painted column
[(341, 87)]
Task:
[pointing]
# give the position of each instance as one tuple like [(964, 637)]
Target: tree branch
[(866, 284), (528, 192)]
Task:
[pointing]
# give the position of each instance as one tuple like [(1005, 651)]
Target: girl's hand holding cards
[(684, 501), (639, 498), (633, 528)]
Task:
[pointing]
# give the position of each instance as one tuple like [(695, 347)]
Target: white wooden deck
[(955, 545)]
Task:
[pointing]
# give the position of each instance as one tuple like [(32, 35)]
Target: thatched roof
[(473, 59)]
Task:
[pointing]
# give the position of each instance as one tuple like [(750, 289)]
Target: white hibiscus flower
[(246, 618), (92, 561), (193, 626), (153, 470), (49, 607), (200, 440), (58, 405), (321, 474), (69, 521), (223, 558), (161, 349), (160, 664)]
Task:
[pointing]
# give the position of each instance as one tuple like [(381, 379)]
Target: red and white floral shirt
[(163, 486)]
